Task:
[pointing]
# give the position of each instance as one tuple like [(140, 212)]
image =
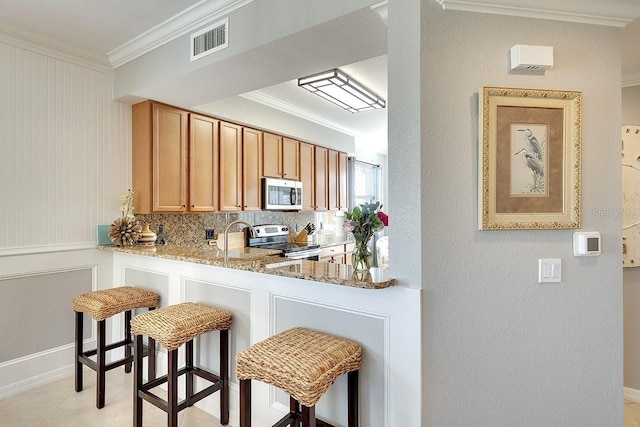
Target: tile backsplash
[(189, 229)]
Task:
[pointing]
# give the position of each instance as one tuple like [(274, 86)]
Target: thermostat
[(586, 243)]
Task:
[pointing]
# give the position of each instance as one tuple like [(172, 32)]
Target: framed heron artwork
[(529, 159)]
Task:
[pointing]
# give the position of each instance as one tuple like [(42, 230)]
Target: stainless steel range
[(276, 236)]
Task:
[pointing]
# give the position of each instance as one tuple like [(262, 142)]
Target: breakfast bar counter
[(266, 261), (268, 294)]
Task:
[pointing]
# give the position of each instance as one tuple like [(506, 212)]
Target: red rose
[(384, 218)]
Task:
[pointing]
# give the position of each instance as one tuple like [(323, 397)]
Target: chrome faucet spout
[(226, 236)]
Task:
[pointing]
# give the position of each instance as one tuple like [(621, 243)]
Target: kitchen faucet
[(226, 236)]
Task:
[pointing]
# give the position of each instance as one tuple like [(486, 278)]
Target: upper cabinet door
[(307, 176), (290, 159), (203, 163), (251, 170), (321, 179), (343, 199), (169, 159), (230, 167), (332, 180), (272, 155)]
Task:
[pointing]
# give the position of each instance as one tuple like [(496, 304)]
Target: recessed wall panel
[(368, 330), (37, 311), (238, 302)]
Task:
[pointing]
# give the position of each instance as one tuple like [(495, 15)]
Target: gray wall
[(500, 349), (631, 116), (245, 111)]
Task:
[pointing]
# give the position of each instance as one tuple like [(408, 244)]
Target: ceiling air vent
[(210, 39)]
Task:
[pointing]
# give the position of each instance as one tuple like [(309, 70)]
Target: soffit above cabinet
[(616, 13)]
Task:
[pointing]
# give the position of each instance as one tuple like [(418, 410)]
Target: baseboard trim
[(632, 394), (42, 368)]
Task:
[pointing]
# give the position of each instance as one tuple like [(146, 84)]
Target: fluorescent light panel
[(342, 90)]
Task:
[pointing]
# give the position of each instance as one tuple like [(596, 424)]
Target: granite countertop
[(265, 261)]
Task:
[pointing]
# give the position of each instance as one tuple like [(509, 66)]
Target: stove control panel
[(271, 230)]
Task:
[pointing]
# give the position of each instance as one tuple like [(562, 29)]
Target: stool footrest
[(297, 416), (84, 357), (145, 393)]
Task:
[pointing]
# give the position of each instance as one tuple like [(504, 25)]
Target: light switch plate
[(549, 270)]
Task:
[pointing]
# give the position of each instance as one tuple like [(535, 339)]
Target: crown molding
[(190, 19), (55, 49), (269, 101), (596, 12)]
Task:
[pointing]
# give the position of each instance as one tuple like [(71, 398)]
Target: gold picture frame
[(529, 159)]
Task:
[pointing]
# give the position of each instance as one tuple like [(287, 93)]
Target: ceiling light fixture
[(342, 90)]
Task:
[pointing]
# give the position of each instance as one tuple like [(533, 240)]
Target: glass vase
[(361, 258)]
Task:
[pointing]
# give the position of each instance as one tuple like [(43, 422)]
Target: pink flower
[(348, 228)]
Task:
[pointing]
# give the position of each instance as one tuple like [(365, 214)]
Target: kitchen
[(435, 248)]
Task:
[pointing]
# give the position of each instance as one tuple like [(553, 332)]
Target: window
[(365, 183)]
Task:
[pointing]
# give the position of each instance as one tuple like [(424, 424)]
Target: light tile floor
[(57, 404), (631, 414)]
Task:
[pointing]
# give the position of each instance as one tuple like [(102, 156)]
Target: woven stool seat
[(301, 362), (108, 302), (176, 324)]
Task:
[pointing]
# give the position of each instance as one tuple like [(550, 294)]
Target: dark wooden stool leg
[(151, 359), (224, 376), (137, 381), (172, 389), (127, 338), (308, 416), (294, 408), (100, 359), (188, 356), (245, 403), (352, 391), (79, 333)]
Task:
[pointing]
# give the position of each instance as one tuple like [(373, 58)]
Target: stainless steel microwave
[(281, 194)]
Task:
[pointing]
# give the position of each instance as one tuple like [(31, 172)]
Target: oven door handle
[(303, 254)]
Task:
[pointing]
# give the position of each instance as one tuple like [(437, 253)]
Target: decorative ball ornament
[(125, 231)]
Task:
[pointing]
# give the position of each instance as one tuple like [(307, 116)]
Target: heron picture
[(528, 143), (528, 158)]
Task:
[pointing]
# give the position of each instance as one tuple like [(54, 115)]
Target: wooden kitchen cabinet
[(290, 159), (348, 249), (343, 199), (307, 176), (337, 254), (203, 163), (337, 180), (321, 193), (272, 155), (332, 180), (280, 157), (230, 167), (159, 156), (251, 169)]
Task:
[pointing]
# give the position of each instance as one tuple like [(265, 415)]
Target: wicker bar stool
[(173, 326), (101, 305), (304, 364)]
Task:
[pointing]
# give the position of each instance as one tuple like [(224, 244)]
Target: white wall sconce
[(342, 90), (531, 58)]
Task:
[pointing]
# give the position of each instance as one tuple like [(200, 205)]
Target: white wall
[(66, 149), (66, 156), (500, 349)]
